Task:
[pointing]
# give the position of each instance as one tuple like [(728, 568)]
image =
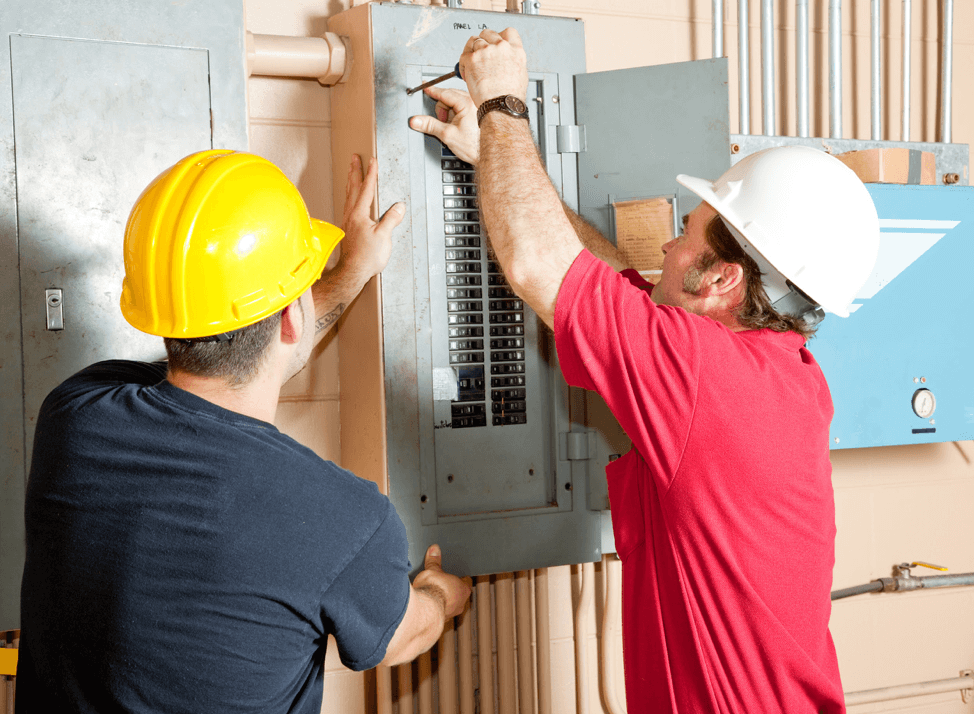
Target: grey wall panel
[(107, 94)]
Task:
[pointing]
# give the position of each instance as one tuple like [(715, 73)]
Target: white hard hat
[(805, 218)]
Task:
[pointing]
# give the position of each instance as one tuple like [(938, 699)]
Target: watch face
[(514, 104)]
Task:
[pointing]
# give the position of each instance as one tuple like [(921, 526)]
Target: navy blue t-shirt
[(186, 558)]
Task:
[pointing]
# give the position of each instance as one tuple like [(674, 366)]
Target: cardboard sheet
[(642, 227)]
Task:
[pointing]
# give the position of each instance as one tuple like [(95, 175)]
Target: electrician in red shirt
[(723, 510)]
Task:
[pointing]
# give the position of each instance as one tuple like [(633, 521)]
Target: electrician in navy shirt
[(182, 554)]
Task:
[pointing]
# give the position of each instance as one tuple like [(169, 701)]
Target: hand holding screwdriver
[(454, 73)]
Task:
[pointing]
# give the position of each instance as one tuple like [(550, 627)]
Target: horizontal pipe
[(873, 587), (327, 58), (885, 694), (947, 581)]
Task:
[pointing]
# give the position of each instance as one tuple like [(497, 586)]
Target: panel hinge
[(576, 445), (571, 138)]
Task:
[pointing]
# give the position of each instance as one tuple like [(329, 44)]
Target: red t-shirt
[(723, 510)]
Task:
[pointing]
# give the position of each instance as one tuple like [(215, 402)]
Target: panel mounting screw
[(568, 487), (951, 178), (423, 498), (449, 478), (735, 148), (555, 99)]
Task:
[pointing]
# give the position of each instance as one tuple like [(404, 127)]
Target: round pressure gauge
[(924, 403)]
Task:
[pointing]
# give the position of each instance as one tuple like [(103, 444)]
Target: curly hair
[(755, 311)]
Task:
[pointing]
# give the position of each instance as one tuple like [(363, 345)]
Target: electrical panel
[(471, 430)]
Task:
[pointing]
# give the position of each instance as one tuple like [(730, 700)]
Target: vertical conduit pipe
[(485, 645), (446, 668), (611, 630), (767, 66), (876, 81), (383, 690), (424, 687), (543, 638), (525, 659), (835, 69), (586, 597), (801, 66), (717, 21), (465, 661), (743, 68), (405, 698), (506, 683), (946, 71), (907, 66)]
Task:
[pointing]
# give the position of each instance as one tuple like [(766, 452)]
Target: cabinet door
[(102, 97)]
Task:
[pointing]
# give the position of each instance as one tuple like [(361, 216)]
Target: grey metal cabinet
[(100, 98)]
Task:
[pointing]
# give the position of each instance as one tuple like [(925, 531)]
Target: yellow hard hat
[(217, 242)]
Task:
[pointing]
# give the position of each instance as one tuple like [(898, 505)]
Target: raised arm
[(365, 249)]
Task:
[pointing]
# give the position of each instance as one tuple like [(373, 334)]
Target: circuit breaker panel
[(464, 418)]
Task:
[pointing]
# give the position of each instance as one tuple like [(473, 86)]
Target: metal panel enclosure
[(476, 415), (903, 351), (102, 97)]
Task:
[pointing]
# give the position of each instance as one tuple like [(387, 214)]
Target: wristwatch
[(509, 104)]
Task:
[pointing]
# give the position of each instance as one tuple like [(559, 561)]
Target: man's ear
[(723, 278), (292, 322)]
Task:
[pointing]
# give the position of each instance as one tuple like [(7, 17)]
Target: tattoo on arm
[(325, 323)]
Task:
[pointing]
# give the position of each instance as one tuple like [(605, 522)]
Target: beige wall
[(893, 504)]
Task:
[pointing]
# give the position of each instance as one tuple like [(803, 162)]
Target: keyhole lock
[(55, 314)]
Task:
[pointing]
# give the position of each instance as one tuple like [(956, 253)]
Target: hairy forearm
[(529, 230), (333, 292), (596, 243), (421, 628)]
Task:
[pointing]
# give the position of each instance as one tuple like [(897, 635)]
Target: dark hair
[(755, 311), (237, 360)]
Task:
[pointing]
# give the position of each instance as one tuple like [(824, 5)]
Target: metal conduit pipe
[(907, 66), (873, 587), (383, 690), (525, 659), (465, 661), (876, 67), (767, 66), (946, 71), (611, 629), (485, 644), (801, 66), (586, 598), (405, 698), (902, 583), (717, 21), (743, 70), (446, 672), (506, 666), (884, 694), (542, 628), (424, 685), (327, 58), (835, 69)]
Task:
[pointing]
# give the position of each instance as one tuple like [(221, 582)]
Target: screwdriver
[(454, 73)]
